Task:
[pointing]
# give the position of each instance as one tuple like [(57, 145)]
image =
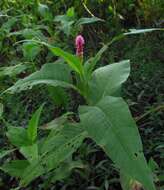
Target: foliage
[(88, 121)]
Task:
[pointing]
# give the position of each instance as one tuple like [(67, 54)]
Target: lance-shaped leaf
[(73, 61), (111, 126), (50, 74), (107, 80), (86, 20), (140, 31), (33, 124), (91, 63)]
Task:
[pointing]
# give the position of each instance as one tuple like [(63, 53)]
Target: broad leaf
[(18, 136), (107, 80), (15, 167), (33, 124), (50, 74), (111, 126)]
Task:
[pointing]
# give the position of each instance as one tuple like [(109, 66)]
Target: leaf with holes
[(111, 126), (54, 149), (50, 74)]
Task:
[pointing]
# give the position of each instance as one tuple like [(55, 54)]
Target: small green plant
[(105, 118)]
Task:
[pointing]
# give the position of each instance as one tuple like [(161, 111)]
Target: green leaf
[(15, 167), (43, 10), (64, 170), (33, 124), (60, 143), (32, 171), (18, 136), (50, 74), (73, 61), (127, 183), (139, 31), (57, 122), (12, 70), (31, 50), (90, 64), (30, 152), (57, 147), (107, 80), (71, 12), (7, 26), (112, 127), (29, 33), (82, 21)]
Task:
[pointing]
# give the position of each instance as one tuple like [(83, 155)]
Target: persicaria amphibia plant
[(106, 119)]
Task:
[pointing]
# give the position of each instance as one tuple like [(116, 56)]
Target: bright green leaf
[(107, 80), (90, 64), (31, 50), (30, 152), (73, 61), (112, 127), (33, 124)]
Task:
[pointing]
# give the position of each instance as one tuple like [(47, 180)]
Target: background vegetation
[(144, 90)]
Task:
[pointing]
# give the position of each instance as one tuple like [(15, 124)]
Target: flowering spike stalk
[(79, 42)]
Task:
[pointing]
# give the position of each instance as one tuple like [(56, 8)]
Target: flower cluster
[(79, 42)]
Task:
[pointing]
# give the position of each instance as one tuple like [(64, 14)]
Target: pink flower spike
[(79, 42)]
